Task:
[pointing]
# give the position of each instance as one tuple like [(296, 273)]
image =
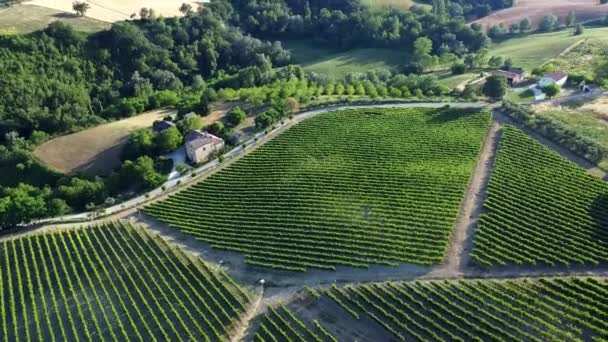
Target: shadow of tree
[(599, 213), (65, 15)]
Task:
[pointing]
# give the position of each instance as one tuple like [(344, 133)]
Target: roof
[(162, 125), (198, 139), (556, 76), (517, 71)]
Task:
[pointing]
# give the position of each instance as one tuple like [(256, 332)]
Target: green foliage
[(552, 90), (341, 168), (168, 140), (141, 142), (140, 174), (107, 283), (24, 203), (236, 116), (548, 23), (496, 87), (79, 192), (541, 209), (191, 123), (277, 322)]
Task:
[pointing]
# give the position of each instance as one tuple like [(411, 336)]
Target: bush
[(552, 90), (235, 116), (458, 68)]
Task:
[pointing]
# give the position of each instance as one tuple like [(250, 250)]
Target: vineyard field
[(347, 188), (546, 309), (541, 209), (114, 282), (280, 324)]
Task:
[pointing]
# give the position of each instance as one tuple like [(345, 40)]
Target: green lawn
[(316, 58), (521, 96), (533, 50), (21, 19), (451, 81)]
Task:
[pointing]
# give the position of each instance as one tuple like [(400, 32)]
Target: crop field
[(280, 324), (584, 57), (344, 188), (114, 282), (534, 50), (546, 309), (541, 209)]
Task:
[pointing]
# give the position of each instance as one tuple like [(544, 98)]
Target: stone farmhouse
[(200, 146), (514, 75)]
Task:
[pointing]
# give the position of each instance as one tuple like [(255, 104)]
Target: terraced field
[(343, 188), (548, 309), (115, 283), (541, 209)]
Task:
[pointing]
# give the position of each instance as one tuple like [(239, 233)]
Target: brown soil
[(536, 9)]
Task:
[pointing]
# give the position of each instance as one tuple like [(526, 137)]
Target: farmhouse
[(200, 145), (557, 77), (514, 75), (162, 125)]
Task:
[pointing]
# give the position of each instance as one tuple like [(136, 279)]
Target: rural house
[(160, 126), (557, 77), (201, 145), (514, 75)]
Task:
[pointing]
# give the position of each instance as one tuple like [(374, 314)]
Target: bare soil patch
[(536, 9), (117, 10), (95, 150)]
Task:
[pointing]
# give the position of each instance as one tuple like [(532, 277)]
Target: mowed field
[(337, 64), (19, 19), (546, 309), (117, 10), (536, 9), (536, 49), (95, 150), (112, 282), (351, 188), (541, 209), (401, 4)]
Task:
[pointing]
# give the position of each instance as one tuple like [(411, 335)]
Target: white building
[(201, 145), (557, 77)]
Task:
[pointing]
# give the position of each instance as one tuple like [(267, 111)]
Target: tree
[(440, 8), (191, 123), (186, 9), (80, 7), (495, 87), (168, 140), (24, 203), (571, 18), (141, 142), (525, 25), (216, 128), (508, 64), (236, 115), (140, 174), (578, 30), (552, 90), (423, 46), (496, 62), (458, 68), (548, 23), (293, 105)]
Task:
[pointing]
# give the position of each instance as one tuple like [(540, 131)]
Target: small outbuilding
[(160, 126), (514, 75), (556, 77), (200, 146)]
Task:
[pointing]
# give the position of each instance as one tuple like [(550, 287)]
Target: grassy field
[(525, 96), (583, 58), (546, 309), (534, 50), (20, 19), (316, 58), (95, 150), (451, 81), (541, 209), (351, 188), (114, 282), (589, 120)]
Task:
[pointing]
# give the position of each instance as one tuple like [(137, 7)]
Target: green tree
[(141, 142), (168, 140), (236, 116), (80, 7), (525, 25), (571, 18), (495, 87), (552, 90), (578, 30), (496, 62), (24, 203), (548, 23), (191, 123), (216, 128), (140, 174)]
